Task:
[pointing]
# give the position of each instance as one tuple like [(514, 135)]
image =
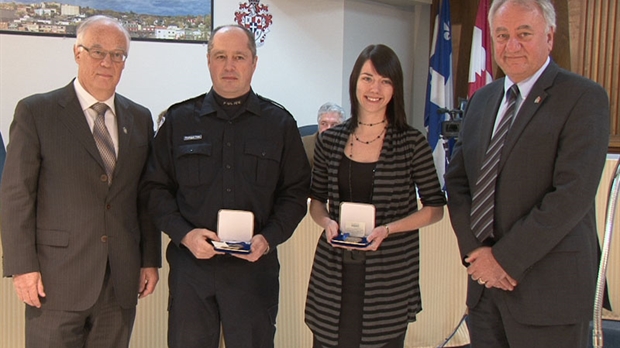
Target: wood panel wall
[(598, 52)]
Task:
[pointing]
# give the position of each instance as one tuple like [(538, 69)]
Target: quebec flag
[(440, 92)]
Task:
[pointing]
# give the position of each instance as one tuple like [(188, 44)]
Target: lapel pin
[(124, 130), (537, 100)]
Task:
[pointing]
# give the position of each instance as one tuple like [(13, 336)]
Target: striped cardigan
[(392, 293)]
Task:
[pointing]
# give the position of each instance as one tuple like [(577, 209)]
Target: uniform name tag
[(192, 137)]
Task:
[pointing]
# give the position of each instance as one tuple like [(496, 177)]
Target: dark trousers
[(398, 342), (351, 309), (104, 325), (239, 296), (492, 326)]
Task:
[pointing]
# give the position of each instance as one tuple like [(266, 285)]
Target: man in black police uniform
[(228, 149)]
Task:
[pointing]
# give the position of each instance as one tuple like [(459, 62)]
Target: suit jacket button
[(104, 178), (104, 239)]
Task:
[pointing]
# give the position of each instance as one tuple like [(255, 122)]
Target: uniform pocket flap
[(263, 150), (194, 149)]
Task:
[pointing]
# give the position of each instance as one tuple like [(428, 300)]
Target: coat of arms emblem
[(255, 17)]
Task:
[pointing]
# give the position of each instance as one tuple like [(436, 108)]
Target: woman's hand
[(376, 237), (331, 230)]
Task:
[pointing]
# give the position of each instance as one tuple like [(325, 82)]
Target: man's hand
[(29, 288), (148, 279), (197, 241), (259, 247), (484, 269)]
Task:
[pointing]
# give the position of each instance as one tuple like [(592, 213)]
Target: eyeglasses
[(99, 54)]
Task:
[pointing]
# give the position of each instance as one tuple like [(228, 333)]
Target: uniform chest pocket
[(261, 162), (193, 164)]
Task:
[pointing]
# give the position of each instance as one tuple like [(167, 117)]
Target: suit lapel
[(528, 109), (490, 113), (124, 121), (74, 119), (487, 121)]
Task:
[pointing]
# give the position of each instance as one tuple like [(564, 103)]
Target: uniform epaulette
[(272, 102), (199, 97)]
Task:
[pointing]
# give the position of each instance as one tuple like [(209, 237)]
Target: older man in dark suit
[(521, 187), (76, 241)]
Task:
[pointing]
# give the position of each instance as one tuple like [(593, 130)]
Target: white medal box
[(235, 229), (357, 220)]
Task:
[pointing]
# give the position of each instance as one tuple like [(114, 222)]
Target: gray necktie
[(483, 200), (104, 140)]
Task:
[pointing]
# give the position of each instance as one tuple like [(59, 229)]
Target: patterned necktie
[(483, 200), (104, 140)]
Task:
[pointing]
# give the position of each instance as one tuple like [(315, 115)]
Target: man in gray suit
[(76, 241), (533, 263)]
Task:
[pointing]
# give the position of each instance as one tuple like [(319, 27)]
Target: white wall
[(156, 74), (305, 61), (300, 64)]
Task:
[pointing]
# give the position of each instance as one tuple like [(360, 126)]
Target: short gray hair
[(330, 107), (90, 21), (251, 40), (545, 6)]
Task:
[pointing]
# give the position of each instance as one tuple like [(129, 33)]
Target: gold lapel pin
[(537, 100)]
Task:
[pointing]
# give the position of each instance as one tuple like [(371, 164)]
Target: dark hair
[(386, 62), (251, 41)]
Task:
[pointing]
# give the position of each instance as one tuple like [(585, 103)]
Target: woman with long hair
[(366, 296)]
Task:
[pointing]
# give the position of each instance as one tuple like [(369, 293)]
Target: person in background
[(329, 115), (76, 239), (521, 187), (226, 149), (365, 297)]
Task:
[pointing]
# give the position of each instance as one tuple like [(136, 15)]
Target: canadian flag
[(480, 64)]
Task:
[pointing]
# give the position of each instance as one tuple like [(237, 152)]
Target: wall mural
[(159, 20)]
